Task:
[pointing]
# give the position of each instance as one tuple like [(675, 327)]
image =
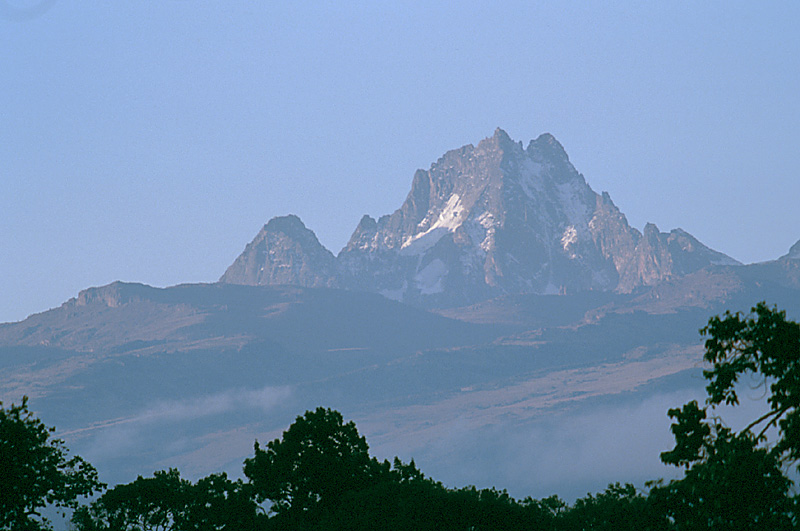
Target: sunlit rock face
[(487, 220), (283, 252)]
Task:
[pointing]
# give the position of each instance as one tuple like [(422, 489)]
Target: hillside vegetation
[(319, 474)]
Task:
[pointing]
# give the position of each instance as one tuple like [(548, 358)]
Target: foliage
[(736, 480), (730, 482), (168, 502), (319, 458), (618, 508), (145, 504), (767, 345), (217, 503), (35, 470), (403, 498), (319, 475)]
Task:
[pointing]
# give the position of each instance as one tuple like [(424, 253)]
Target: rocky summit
[(284, 252), (487, 220)]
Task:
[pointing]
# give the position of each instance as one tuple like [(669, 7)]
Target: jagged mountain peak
[(651, 230), (488, 180), (547, 145), (483, 221), (500, 138), (288, 224), (284, 251)]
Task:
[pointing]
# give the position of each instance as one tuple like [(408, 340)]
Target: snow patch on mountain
[(530, 178), (483, 221), (430, 279), (449, 219), (422, 242), (395, 294), (571, 199), (569, 237)]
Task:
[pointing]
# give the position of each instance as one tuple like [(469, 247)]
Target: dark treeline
[(319, 474)]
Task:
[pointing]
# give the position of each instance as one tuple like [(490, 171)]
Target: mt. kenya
[(482, 222), (537, 342)]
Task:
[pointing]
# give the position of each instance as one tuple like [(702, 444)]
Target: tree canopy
[(319, 474), (35, 470), (767, 345), (167, 502), (737, 480), (318, 459)]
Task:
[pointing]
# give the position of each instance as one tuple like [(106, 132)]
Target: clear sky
[(148, 141)]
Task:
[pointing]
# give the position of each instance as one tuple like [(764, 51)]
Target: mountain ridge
[(190, 375), (147, 378), (483, 221)]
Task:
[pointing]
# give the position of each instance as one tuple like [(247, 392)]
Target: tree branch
[(763, 418), (778, 414)]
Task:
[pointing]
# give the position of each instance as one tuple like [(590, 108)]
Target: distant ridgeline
[(319, 475), (531, 305), (483, 221)]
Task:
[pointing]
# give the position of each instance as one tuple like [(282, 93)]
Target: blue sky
[(149, 141)]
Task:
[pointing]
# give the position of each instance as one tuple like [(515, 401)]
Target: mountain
[(542, 343), (133, 375), (124, 317), (785, 270), (793, 254), (483, 221), (283, 252), (139, 378)]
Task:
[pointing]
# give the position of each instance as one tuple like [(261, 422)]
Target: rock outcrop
[(487, 220)]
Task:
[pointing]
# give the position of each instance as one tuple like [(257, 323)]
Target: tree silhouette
[(618, 508), (319, 458), (767, 345), (146, 504), (167, 502), (35, 470), (736, 480), (319, 474)]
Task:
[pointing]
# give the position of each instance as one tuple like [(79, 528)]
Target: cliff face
[(283, 252), (486, 220)]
